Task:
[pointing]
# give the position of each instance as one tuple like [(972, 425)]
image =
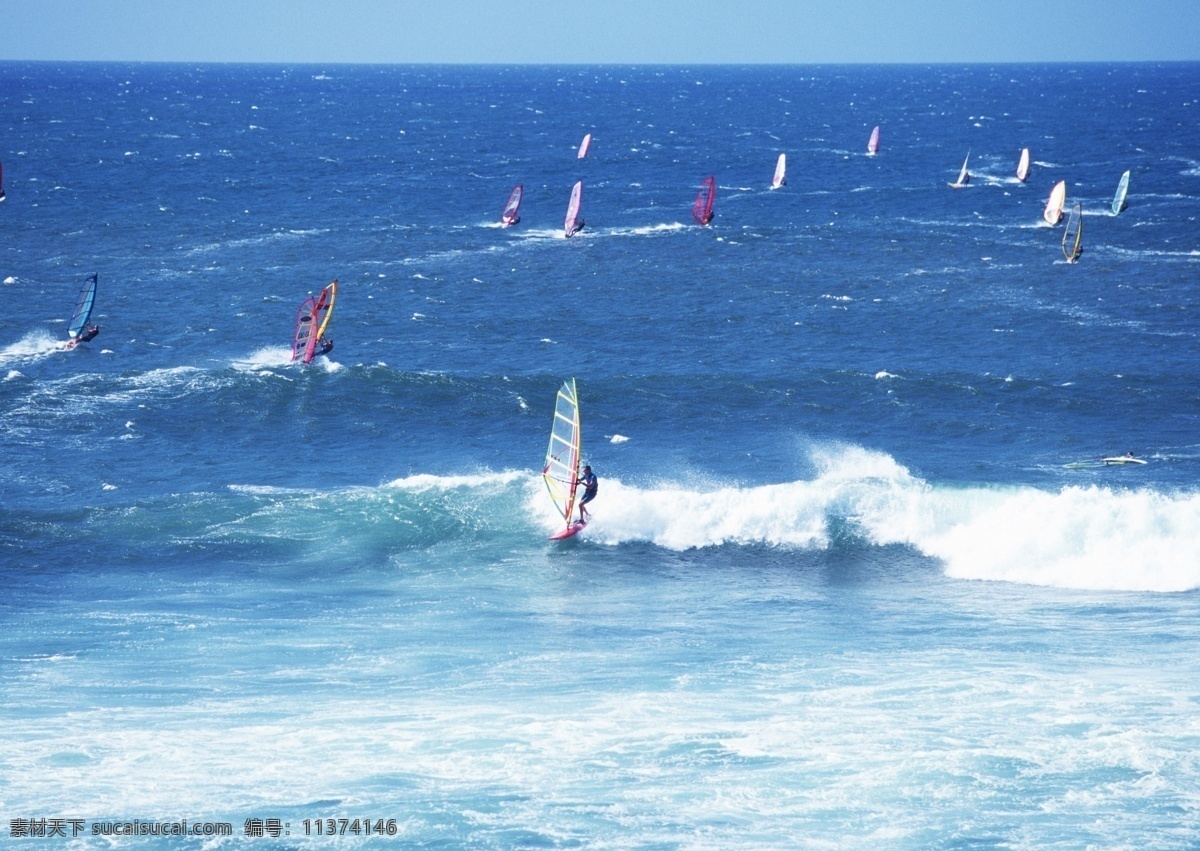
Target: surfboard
[(1054, 206), (584, 147), (964, 176), (702, 207), (873, 142), (509, 216), (569, 532), (1023, 165), (780, 178), (1072, 241), (561, 470), (1118, 203), (572, 224), (83, 306)]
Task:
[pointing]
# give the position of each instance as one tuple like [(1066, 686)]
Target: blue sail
[(83, 306)]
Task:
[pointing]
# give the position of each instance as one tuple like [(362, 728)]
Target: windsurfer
[(83, 336), (590, 486), (326, 344), (578, 227)]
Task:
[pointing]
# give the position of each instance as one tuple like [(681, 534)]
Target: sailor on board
[(578, 227), (84, 336), (326, 344), (590, 485)]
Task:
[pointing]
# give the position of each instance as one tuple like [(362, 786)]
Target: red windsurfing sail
[(572, 224), (702, 208), (509, 217), (873, 142)]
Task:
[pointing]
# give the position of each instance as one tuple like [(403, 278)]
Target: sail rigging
[(572, 223), (561, 470), (1118, 203), (509, 217), (83, 306), (311, 321), (780, 178), (702, 207), (1072, 241), (324, 311), (1054, 206)]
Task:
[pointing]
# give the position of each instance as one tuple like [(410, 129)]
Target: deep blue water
[(840, 589)]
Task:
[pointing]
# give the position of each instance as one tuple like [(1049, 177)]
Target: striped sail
[(83, 307), (1118, 203), (561, 472)]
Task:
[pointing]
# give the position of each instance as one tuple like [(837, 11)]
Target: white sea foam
[(272, 356), (423, 482), (1077, 537), (33, 346)]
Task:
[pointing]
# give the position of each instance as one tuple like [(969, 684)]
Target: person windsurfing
[(578, 227), (84, 336), (590, 486), (326, 344)]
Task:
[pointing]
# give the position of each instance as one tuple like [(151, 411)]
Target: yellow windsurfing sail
[(327, 298), (561, 472)]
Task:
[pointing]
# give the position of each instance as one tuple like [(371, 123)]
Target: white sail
[(780, 178), (1118, 203), (1054, 206), (561, 472), (1023, 165)]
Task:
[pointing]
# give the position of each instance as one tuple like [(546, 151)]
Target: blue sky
[(615, 31)]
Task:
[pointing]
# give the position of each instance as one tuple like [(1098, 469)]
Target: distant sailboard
[(1, 181), (1054, 207), (964, 176), (1118, 203), (511, 214), (83, 307), (873, 142), (1023, 165), (584, 147), (702, 207), (561, 470), (780, 178), (1111, 461), (572, 224), (1072, 241), (312, 320)]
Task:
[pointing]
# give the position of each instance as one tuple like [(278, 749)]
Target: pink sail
[(584, 146), (873, 142), (702, 207), (509, 217), (572, 224)]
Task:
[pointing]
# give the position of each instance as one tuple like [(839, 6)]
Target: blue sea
[(841, 588)]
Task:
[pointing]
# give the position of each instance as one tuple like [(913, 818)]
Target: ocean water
[(840, 588)]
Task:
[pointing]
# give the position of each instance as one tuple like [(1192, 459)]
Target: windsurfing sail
[(1023, 165), (1118, 203), (873, 142), (83, 307), (304, 340), (1, 181), (324, 309), (1054, 207), (702, 207), (572, 223), (780, 178), (1072, 242), (584, 146), (509, 217), (964, 176), (561, 471)]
